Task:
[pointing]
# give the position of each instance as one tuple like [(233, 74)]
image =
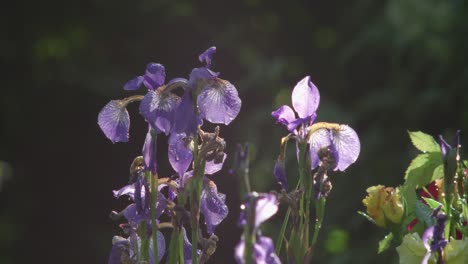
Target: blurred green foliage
[(381, 66)]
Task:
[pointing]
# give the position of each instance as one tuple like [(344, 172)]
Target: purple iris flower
[(217, 99), (305, 100), (433, 238), (124, 250), (341, 139), (266, 205), (180, 156), (263, 250), (445, 148), (139, 211), (280, 173)]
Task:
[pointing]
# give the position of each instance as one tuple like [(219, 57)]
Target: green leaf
[(424, 142), (423, 213), (384, 244), (433, 203), (408, 194), (424, 169)]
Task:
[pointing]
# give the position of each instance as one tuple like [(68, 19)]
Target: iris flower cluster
[(194, 155)]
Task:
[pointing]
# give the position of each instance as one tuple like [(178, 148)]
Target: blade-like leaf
[(385, 243)]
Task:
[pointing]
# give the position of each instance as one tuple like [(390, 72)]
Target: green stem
[(174, 248), (181, 248), (154, 226), (279, 241), (320, 212), (249, 229), (143, 233), (304, 182)]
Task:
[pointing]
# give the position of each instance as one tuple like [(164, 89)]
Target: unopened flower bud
[(384, 205)]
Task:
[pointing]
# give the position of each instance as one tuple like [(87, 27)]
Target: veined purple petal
[(207, 56), (305, 98), (155, 75), (219, 102), (134, 84), (180, 156), (284, 115), (263, 251), (158, 109), (114, 121), (149, 151), (280, 174), (212, 206), (212, 168), (347, 146), (318, 140), (187, 247), (266, 207)]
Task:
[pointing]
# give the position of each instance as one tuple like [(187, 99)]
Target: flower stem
[(249, 229), (174, 248), (279, 241), (154, 226), (320, 213), (143, 233)]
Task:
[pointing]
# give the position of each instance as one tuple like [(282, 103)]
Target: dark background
[(381, 66)]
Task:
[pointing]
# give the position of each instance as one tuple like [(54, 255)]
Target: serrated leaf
[(423, 213), (433, 203), (385, 243), (424, 169), (366, 216), (424, 142)]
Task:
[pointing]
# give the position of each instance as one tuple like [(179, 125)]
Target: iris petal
[(347, 146), (134, 84), (317, 140), (211, 167), (212, 206), (158, 109), (284, 115), (114, 121), (149, 151), (180, 156), (219, 102), (155, 75), (207, 55), (305, 98)]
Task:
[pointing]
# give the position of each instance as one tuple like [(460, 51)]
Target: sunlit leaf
[(385, 243), (424, 142)]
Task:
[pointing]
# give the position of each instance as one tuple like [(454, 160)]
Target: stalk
[(154, 226)]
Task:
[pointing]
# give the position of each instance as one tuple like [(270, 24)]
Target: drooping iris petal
[(133, 216), (207, 55), (305, 98), (114, 121), (280, 174), (185, 118), (187, 247), (263, 251), (180, 156), (317, 140), (120, 250), (134, 84), (347, 146), (219, 102), (212, 206), (157, 107), (284, 115), (149, 151), (211, 167), (126, 190), (266, 207), (155, 75)]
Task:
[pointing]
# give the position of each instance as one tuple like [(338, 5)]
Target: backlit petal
[(347, 146), (158, 109), (114, 121), (305, 98)]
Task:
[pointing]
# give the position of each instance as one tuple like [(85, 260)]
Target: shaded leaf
[(433, 203), (423, 213), (424, 169)]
